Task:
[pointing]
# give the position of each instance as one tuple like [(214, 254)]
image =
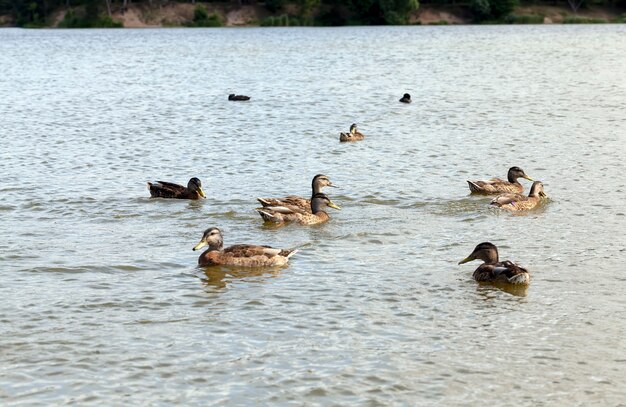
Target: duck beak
[(467, 259), (330, 184), (333, 205), (201, 192), (527, 177), (542, 194), (199, 245)]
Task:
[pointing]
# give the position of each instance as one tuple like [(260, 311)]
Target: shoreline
[(172, 15)]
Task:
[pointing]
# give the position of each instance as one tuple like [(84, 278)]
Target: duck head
[(487, 252)]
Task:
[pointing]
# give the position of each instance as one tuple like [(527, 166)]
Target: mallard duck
[(499, 186), (406, 98), (234, 97), (493, 270), (242, 255), (282, 214), (319, 181), (162, 189), (354, 135), (518, 202)]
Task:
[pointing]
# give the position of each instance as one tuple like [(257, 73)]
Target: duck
[(234, 97), (241, 255), (353, 135), (406, 98), (493, 270), (162, 189), (282, 214), (319, 181), (518, 202), (500, 186)]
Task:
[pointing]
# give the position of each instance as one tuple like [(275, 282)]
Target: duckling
[(162, 189), (499, 186), (354, 135), (493, 270), (319, 181), (518, 202), (242, 255), (406, 98), (234, 97), (282, 214)]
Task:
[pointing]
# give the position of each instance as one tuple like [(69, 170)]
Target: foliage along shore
[(156, 13)]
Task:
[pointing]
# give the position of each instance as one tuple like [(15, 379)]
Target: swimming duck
[(319, 181), (493, 270), (406, 98), (242, 255), (282, 214), (162, 189), (499, 186), (518, 202), (354, 135), (234, 97)]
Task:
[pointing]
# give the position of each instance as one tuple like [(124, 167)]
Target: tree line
[(97, 13)]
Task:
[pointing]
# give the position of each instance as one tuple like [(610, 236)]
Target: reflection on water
[(99, 281), (513, 289), (220, 276)]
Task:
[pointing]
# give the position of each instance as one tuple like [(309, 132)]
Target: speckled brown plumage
[(319, 181), (518, 202), (241, 255), (283, 214), (500, 186), (493, 270)]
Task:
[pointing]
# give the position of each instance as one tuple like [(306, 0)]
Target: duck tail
[(473, 186), (264, 201), (521, 278), (269, 217), (291, 253)]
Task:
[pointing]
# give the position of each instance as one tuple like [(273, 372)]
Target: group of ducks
[(311, 211), (304, 211), (508, 196)]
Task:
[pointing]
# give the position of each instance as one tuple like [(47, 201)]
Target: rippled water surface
[(102, 302)]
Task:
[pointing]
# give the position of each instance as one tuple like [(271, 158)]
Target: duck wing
[(507, 199), (166, 189), (248, 255), (288, 201)]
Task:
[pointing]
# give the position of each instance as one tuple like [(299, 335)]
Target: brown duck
[(162, 189), (519, 202), (282, 214), (353, 135), (319, 181), (500, 186), (242, 255), (493, 270)]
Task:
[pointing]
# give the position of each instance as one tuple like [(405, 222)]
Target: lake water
[(102, 301)]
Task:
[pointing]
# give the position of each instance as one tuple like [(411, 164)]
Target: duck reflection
[(513, 289), (221, 276)]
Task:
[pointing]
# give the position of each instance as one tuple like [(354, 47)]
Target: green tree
[(397, 11)]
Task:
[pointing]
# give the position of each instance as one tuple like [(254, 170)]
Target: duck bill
[(201, 193), (199, 245), (543, 194), (528, 178), (333, 205), (467, 259), (332, 185)]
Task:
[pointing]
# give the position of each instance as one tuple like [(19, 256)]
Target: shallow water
[(102, 299)]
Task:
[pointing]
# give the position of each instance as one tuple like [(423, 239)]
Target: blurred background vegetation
[(98, 13)]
